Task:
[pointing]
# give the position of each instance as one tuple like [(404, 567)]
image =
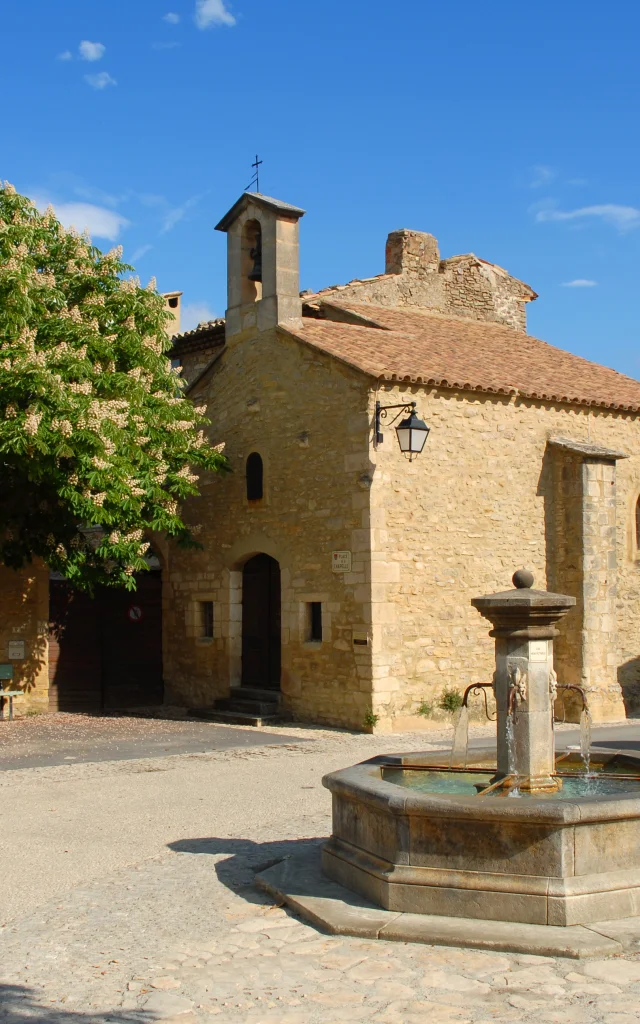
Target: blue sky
[(505, 129)]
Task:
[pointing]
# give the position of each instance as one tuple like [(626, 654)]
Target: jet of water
[(511, 744), (458, 756), (585, 738)]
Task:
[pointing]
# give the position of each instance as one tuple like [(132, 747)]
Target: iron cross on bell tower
[(256, 175)]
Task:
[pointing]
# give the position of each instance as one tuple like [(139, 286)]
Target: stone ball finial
[(522, 579)]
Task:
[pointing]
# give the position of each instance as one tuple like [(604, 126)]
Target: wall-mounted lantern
[(412, 431)]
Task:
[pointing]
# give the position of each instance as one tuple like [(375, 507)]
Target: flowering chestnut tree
[(97, 444)]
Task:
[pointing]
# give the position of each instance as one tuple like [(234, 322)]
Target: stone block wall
[(194, 362), (24, 614), (600, 656), (306, 415), (459, 286), (489, 494), (481, 501)]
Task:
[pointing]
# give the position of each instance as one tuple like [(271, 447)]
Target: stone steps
[(250, 707), (244, 706)]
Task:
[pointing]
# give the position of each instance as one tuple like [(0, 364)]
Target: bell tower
[(263, 275)]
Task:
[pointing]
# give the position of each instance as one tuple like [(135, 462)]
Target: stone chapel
[(337, 571)]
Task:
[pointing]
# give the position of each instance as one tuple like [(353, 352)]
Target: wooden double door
[(105, 651), (261, 650)]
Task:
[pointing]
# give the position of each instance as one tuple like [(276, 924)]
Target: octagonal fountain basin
[(414, 836)]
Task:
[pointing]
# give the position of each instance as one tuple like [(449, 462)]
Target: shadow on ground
[(242, 859), (19, 1005)]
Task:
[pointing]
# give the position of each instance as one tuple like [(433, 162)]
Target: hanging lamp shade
[(412, 434)]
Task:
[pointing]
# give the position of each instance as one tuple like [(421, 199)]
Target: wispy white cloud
[(165, 46), (177, 213), (213, 12), (98, 195), (194, 313), (91, 51), (100, 81), (541, 175), (65, 55), (101, 222), (149, 199), (171, 18), (624, 218), (141, 251), (579, 282)]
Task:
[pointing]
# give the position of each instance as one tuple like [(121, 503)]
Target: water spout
[(511, 742), (585, 737), (574, 689), (458, 756), (477, 688)]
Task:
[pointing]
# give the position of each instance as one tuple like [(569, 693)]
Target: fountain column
[(524, 622)]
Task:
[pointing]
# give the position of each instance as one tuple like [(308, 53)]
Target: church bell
[(256, 255)]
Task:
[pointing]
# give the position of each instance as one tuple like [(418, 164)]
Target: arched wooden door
[(261, 654)]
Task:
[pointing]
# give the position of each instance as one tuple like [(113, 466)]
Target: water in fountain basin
[(458, 756), (439, 783), (585, 738)]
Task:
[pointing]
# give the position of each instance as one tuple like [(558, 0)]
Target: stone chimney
[(172, 303), (411, 252)]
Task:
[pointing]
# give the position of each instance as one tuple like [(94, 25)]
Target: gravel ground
[(71, 823), (43, 740), (127, 895)]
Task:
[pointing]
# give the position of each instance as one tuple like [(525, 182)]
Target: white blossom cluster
[(85, 386)]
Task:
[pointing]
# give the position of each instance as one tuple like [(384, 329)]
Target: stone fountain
[(522, 841), (525, 684)]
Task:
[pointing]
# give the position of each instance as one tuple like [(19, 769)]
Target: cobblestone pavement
[(184, 937)]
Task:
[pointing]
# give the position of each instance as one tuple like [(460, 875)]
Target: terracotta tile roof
[(203, 326), (331, 288), (424, 347), (206, 334)]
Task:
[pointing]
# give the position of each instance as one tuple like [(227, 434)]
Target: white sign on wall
[(16, 650), (341, 561), (537, 650)]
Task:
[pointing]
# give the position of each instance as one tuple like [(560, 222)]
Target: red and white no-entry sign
[(134, 612)]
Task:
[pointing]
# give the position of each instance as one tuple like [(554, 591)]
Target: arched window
[(255, 474), (638, 527)]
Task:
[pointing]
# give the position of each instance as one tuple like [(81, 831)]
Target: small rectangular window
[(314, 621), (206, 619)]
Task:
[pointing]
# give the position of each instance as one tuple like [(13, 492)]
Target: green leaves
[(97, 445)]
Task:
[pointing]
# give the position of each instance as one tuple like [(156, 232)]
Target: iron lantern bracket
[(381, 414)]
